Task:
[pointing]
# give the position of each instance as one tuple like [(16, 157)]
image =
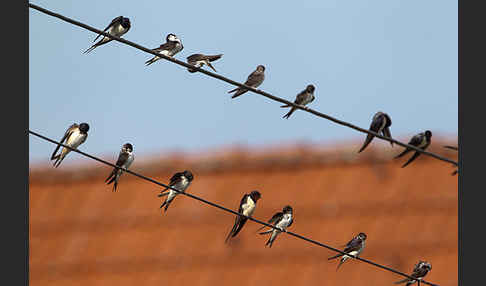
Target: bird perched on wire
[(125, 159), (199, 60), (254, 80), (247, 207), (281, 220), (380, 123), (419, 271), (74, 136), (456, 149), (118, 27), (353, 249), (172, 46), (180, 181), (303, 98), (421, 140)]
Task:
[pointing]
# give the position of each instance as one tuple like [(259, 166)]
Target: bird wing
[(113, 22), (416, 140), (68, 133), (353, 244), (276, 217), (176, 178), (254, 78), (194, 58)]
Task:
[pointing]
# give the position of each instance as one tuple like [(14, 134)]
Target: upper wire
[(230, 81)]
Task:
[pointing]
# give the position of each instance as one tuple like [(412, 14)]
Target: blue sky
[(363, 56)]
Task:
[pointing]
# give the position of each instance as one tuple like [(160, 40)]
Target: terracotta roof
[(81, 233)]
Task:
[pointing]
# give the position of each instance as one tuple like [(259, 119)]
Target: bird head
[(84, 127)]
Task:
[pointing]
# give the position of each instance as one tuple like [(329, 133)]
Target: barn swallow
[(380, 124), (199, 60), (303, 98), (421, 140), (172, 46), (419, 271), (254, 80), (354, 248), (179, 181), (118, 27), (247, 207), (281, 220), (75, 135), (453, 148), (125, 159)]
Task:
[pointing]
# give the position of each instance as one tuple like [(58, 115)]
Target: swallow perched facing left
[(303, 98), (353, 249), (118, 27), (421, 140), (380, 124), (199, 60), (281, 220), (74, 136), (255, 79), (172, 46), (247, 207), (179, 181), (419, 271), (125, 159)]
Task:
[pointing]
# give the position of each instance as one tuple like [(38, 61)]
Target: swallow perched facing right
[(303, 98), (199, 60), (125, 159), (255, 79), (75, 135), (419, 271), (179, 181), (421, 140), (354, 248), (281, 220), (247, 207), (380, 124), (118, 27), (172, 46)]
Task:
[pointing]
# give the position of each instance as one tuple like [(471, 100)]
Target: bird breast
[(248, 207)]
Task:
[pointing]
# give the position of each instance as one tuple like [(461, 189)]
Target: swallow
[(118, 27), (421, 140), (75, 135), (303, 98), (247, 207), (380, 124), (281, 220), (172, 46), (353, 249), (419, 271), (125, 159), (179, 181), (453, 148), (254, 80), (199, 60)]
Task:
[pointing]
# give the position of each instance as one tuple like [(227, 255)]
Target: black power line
[(214, 75), (224, 208)]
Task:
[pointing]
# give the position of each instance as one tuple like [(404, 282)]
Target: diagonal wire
[(223, 208), (214, 75)]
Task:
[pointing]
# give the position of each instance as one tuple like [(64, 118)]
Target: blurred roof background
[(82, 233)]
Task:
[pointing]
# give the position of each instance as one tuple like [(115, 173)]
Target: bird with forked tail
[(303, 98)]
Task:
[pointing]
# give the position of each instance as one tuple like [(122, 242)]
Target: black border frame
[(16, 102)]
